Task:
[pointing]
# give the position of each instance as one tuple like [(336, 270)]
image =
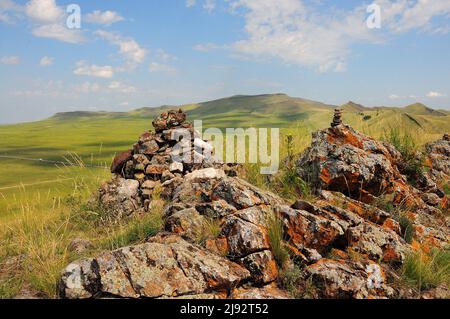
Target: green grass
[(427, 271), (275, 231), (447, 189)]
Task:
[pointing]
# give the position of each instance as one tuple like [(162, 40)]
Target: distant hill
[(281, 110), (353, 107)]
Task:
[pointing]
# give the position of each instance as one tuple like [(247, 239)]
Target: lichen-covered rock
[(438, 159), (377, 243), (367, 212), (188, 223), (258, 293), (345, 279), (120, 160), (241, 194), (244, 238), (169, 120), (166, 266), (343, 160), (120, 197), (431, 199), (262, 266), (306, 230)]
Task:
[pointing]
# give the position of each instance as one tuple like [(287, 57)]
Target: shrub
[(427, 271), (407, 228), (290, 280), (412, 161), (138, 229), (276, 236), (211, 229)]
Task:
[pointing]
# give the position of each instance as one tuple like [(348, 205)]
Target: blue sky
[(130, 54)]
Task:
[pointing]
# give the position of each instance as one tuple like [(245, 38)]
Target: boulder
[(167, 266), (345, 279), (305, 230), (438, 159), (244, 238), (119, 161), (262, 267), (343, 160), (120, 197), (377, 243), (257, 293)]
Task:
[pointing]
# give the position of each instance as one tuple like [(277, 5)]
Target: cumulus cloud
[(59, 32), (434, 94), (46, 61), (83, 68), (103, 18), (300, 32), (10, 60), (156, 67), (130, 50), (44, 11)]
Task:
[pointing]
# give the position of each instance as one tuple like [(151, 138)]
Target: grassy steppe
[(41, 202)]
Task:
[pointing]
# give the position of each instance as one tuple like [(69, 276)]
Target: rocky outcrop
[(167, 266), (438, 159), (217, 241), (343, 160), (344, 279)]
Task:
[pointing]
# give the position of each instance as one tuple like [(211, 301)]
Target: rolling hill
[(96, 136)]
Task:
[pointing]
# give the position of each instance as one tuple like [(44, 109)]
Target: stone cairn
[(150, 161), (337, 119)]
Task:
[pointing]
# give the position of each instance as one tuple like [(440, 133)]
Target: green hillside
[(96, 136)]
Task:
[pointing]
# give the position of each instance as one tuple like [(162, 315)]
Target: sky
[(124, 55)]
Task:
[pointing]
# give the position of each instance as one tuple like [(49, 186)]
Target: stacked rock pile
[(158, 160)]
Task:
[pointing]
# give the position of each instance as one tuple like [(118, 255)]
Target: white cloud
[(117, 86), (8, 11), (46, 61), (59, 32), (434, 94), (300, 32), (209, 5), (45, 11), (402, 16), (82, 68), (104, 18), (46, 18), (296, 34), (10, 60), (190, 3), (131, 51), (156, 67)]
